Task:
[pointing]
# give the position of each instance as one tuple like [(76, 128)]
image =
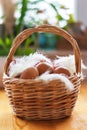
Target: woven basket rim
[(7, 79)]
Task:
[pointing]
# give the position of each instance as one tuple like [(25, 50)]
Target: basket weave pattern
[(39, 100)]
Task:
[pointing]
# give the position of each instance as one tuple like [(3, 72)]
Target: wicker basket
[(38, 100)]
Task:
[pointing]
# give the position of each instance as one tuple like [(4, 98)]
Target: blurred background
[(17, 15)]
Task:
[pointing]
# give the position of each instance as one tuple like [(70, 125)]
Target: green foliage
[(5, 45), (23, 10), (71, 19)]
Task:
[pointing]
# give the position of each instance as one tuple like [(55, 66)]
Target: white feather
[(25, 62), (69, 63), (49, 77)]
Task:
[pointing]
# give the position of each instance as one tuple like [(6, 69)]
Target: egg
[(29, 73), (42, 67), (62, 70)]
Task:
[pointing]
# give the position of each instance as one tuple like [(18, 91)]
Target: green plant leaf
[(71, 19), (21, 19), (36, 1), (24, 51), (8, 41), (54, 7), (28, 42), (63, 7), (2, 44), (59, 17)]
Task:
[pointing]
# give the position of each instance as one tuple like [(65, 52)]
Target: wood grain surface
[(78, 120)]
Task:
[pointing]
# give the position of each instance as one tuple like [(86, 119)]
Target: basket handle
[(44, 28)]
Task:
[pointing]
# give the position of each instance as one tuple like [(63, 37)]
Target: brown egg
[(43, 67), (62, 70), (29, 73)]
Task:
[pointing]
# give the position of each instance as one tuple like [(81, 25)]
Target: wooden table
[(78, 120)]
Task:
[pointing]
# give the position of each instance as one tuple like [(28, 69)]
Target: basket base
[(44, 119), (48, 119)]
